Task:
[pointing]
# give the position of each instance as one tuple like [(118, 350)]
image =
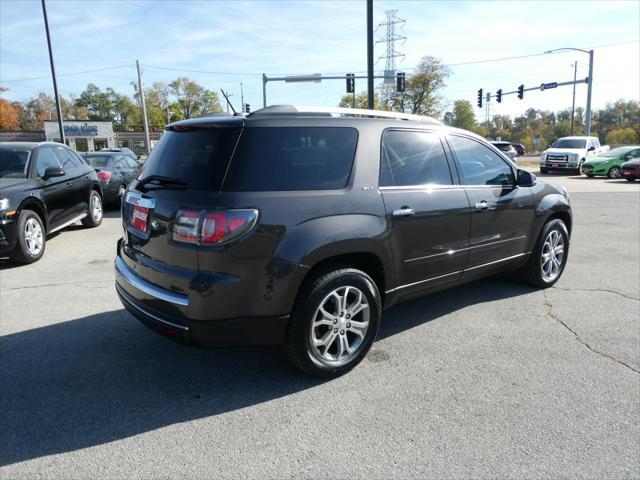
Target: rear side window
[(198, 156), (292, 158), (413, 158), (13, 162), (480, 165)]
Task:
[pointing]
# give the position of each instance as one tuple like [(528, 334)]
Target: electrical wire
[(68, 74)]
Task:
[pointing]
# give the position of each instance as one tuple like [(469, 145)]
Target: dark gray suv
[(297, 228)]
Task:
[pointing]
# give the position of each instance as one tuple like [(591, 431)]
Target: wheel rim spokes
[(552, 256), (33, 236), (96, 208), (340, 324)]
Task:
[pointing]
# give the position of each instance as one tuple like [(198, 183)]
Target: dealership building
[(85, 136)]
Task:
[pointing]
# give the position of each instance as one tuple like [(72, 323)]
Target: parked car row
[(617, 163)]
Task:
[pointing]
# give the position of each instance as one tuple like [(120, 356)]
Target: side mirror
[(591, 148), (51, 172), (526, 179)]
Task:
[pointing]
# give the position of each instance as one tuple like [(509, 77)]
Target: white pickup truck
[(569, 153)]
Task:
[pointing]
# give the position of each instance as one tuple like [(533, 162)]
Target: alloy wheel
[(340, 325), (614, 172), (96, 208), (552, 256), (33, 236)]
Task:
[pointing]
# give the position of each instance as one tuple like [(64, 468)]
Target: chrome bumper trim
[(148, 287)]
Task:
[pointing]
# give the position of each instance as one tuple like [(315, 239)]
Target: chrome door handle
[(483, 205), (404, 212)]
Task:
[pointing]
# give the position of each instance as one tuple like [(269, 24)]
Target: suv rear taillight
[(104, 175), (212, 227)]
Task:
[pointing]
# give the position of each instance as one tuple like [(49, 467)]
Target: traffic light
[(247, 108), (480, 98), (351, 83), (499, 96), (400, 82), (521, 92)]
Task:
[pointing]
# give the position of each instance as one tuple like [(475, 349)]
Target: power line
[(67, 74)]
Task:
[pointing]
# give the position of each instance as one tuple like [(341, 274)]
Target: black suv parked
[(44, 187), (298, 229)]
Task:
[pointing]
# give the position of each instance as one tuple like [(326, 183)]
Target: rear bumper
[(134, 293)]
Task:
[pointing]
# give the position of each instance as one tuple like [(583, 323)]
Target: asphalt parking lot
[(492, 379)]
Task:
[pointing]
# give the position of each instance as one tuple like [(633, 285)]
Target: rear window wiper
[(162, 180)]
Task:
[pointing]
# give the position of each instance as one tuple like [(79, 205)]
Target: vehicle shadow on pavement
[(106, 377)]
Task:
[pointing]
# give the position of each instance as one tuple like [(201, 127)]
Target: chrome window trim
[(147, 287)]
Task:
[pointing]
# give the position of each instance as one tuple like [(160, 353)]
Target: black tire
[(614, 172), (298, 344), (543, 170), (22, 253), (92, 220), (578, 171), (532, 271)]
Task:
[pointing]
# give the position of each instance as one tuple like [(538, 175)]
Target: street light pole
[(587, 125), (587, 122), (53, 73), (573, 102)]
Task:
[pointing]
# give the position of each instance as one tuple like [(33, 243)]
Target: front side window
[(292, 158), (67, 158), (46, 158), (413, 158), (480, 165)]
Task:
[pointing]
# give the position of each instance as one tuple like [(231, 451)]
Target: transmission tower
[(390, 39)]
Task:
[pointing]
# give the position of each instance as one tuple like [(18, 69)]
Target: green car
[(608, 163)]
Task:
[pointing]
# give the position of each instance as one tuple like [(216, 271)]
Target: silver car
[(507, 149)]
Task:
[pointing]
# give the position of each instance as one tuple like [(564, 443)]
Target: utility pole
[(369, 54), (573, 102), (147, 146), (53, 73), (241, 98)]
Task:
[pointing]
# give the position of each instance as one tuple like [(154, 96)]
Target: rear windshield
[(13, 162), (98, 161), (292, 158), (197, 156)]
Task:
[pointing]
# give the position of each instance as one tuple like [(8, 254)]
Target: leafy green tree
[(193, 99), (462, 115), (361, 101), (622, 136), (421, 95)]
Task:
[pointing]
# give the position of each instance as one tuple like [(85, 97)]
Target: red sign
[(140, 218)]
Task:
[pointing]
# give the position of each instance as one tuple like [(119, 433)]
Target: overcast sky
[(237, 41)]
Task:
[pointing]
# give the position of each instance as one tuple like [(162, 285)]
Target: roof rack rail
[(293, 110)]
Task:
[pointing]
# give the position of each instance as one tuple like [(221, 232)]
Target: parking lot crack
[(549, 313), (600, 290)]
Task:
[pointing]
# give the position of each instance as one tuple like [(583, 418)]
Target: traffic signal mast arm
[(542, 86)]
